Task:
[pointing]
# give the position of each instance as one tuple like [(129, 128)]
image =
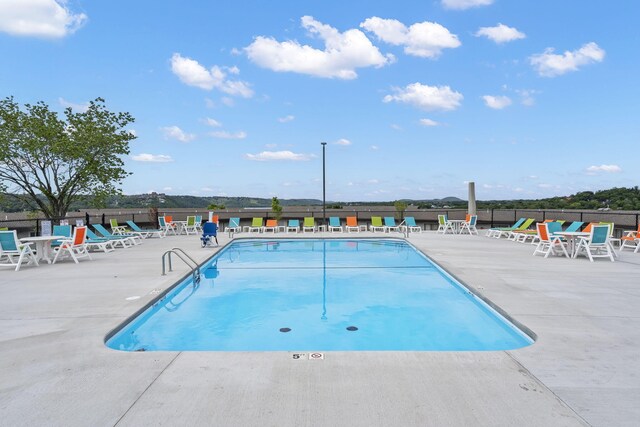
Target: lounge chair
[(309, 224), (209, 234), (11, 247), (199, 222), (390, 224), (513, 234), (410, 222), (293, 225), (352, 224), (497, 232), (574, 226), (234, 225), (124, 241), (334, 224), (76, 247), (376, 224), (548, 243), (256, 225), (167, 226), (469, 225), (136, 240), (271, 225), (146, 231)]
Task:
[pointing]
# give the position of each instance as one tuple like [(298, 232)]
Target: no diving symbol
[(316, 356)]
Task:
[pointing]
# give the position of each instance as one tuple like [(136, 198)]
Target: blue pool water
[(319, 295)]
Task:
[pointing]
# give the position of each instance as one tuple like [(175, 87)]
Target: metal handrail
[(195, 270)]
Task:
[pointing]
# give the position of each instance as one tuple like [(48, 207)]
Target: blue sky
[(529, 99)]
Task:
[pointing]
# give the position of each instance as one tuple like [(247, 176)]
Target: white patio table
[(43, 246)]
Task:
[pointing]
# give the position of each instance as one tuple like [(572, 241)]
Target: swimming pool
[(319, 295)]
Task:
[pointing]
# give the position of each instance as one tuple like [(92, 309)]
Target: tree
[(276, 208), (400, 208), (48, 162)]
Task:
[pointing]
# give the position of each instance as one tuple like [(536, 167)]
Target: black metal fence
[(426, 218)]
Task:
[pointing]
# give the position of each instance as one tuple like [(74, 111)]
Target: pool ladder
[(191, 263)]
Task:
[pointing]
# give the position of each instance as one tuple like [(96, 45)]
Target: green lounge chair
[(497, 231), (309, 224), (376, 224), (513, 234), (256, 225)]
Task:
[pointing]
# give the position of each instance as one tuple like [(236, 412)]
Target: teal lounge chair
[(146, 232), (234, 225), (410, 222), (11, 247), (293, 225), (334, 224), (390, 224), (136, 240), (497, 231)]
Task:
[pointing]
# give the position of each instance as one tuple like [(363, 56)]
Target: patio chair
[(410, 222), (390, 224), (190, 225), (234, 225), (199, 222), (11, 247), (442, 224), (309, 224), (116, 228), (596, 245), (376, 224), (272, 225), (470, 225), (293, 225), (124, 241), (352, 224), (497, 231), (76, 247), (209, 234), (612, 239), (145, 232), (334, 224), (631, 240), (167, 226), (256, 225), (548, 243), (136, 240), (60, 230)]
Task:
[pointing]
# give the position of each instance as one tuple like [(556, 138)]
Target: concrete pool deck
[(583, 370)]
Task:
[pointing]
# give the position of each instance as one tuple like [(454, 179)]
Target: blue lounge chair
[(146, 232), (209, 234), (334, 224), (123, 241), (390, 224), (136, 240), (293, 225), (410, 222)]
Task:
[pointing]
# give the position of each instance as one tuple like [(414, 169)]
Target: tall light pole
[(324, 186)]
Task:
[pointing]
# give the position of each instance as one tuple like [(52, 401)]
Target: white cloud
[(423, 39), (342, 53), (429, 98), (549, 64), (212, 122), (395, 126), (174, 132), (229, 102), (343, 142), (74, 106), (153, 158), (191, 73), (500, 33), (428, 122), (497, 102), (39, 18), (374, 147), (592, 170), (465, 4), (286, 119), (527, 97), (373, 181), (266, 156), (223, 134)]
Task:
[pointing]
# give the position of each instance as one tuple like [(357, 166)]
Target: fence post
[(102, 219), (87, 218), (492, 218)]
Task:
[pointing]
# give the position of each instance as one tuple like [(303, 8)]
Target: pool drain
[(285, 329), (352, 328)]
